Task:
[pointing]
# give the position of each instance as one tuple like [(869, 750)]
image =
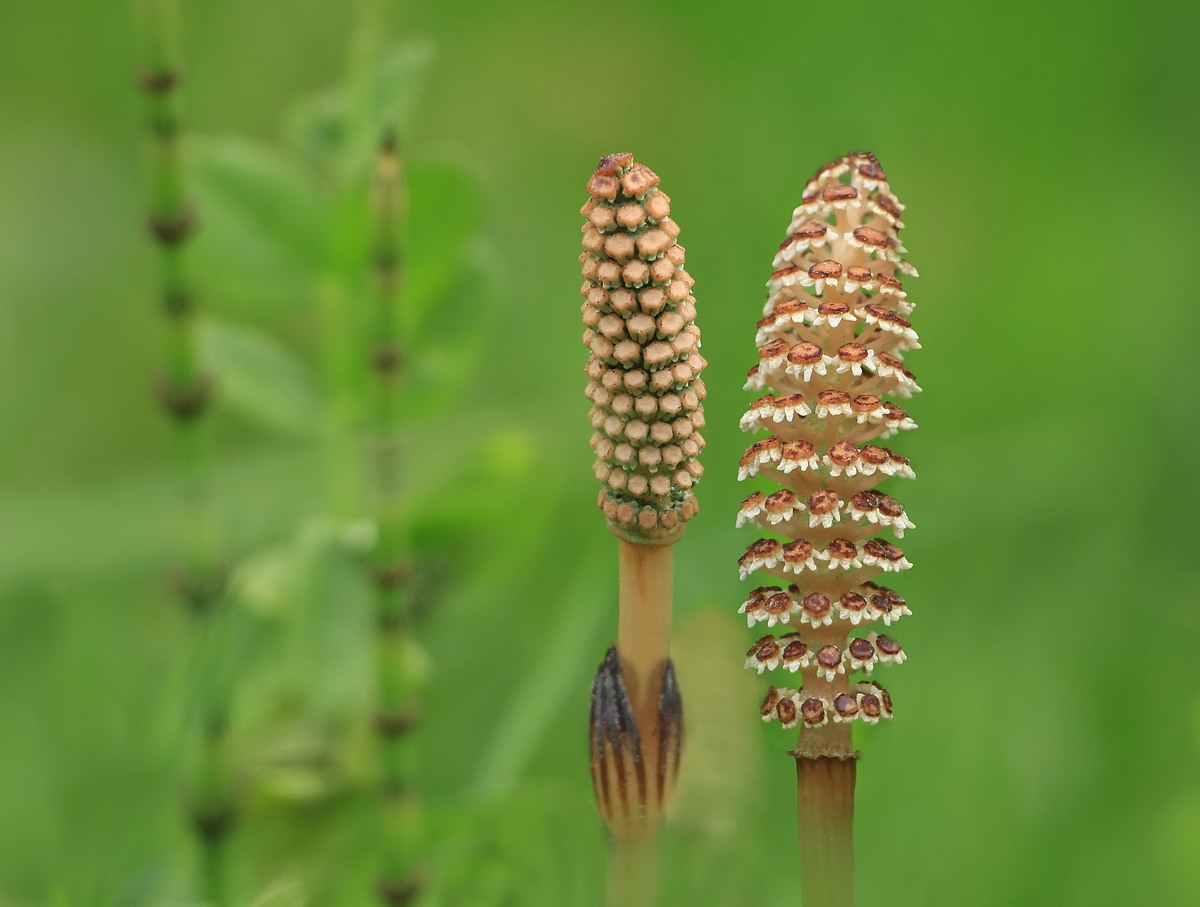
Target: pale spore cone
[(645, 363), (831, 349)]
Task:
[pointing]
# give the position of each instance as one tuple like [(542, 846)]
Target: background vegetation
[(1048, 725)]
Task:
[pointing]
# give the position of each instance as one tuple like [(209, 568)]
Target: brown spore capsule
[(881, 549), (779, 502), (769, 701), (888, 205), (785, 709), (869, 236), (832, 398), (805, 353), (889, 506), (826, 270), (839, 193), (874, 455), (853, 602), (822, 501), (887, 645), (829, 656), (871, 170), (864, 501), (865, 403), (797, 450), (816, 605), (846, 705), (861, 649), (798, 551), (767, 649), (844, 453), (778, 604), (810, 230), (773, 348), (870, 705), (852, 352), (795, 650), (812, 710)]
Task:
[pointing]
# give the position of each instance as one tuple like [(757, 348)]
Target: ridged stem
[(644, 645), (185, 391), (825, 811), (396, 671), (644, 630)]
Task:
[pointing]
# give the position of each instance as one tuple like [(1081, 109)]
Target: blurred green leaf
[(447, 205), (340, 129), (315, 126), (264, 222), (262, 379), (397, 85), (300, 625)]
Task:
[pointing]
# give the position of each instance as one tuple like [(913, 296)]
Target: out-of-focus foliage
[(1047, 727)]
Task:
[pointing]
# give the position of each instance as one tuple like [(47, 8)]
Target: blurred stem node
[(399, 660), (185, 391)]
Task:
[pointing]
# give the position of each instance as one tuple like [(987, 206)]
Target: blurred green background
[(1046, 743)]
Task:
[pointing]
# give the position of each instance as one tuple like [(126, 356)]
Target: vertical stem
[(825, 811), (633, 870), (397, 652), (185, 392), (212, 871), (644, 646), (644, 629)]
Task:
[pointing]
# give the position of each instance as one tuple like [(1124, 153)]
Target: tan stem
[(644, 632), (644, 645), (633, 870), (825, 811)]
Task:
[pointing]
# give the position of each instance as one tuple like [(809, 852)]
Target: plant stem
[(185, 392), (825, 812), (212, 871), (644, 632), (644, 647), (397, 653), (633, 869)]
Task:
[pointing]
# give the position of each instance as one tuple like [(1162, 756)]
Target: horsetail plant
[(830, 348), (398, 656), (185, 391), (645, 386)]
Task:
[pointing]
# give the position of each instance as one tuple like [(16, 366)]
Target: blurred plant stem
[(633, 869), (185, 392), (398, 655)]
